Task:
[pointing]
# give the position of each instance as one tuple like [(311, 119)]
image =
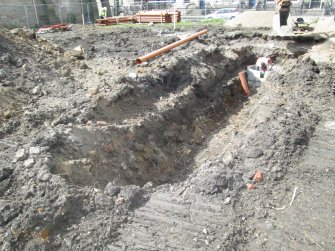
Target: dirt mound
[(253, 19), (100, 153)]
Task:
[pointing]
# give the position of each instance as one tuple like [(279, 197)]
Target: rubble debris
[(119, 201), (133, 75), (20, 155), (77, 52), (205, 231), (34, 150), (36, 90), (24, 33), (101, 123), (258, 176), (251, 185), (7, 114), (54, 28), (227, 201), (44, 234), (29, 162), (255, 178)]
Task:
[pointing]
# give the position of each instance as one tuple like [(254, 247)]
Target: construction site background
[(33, 14)]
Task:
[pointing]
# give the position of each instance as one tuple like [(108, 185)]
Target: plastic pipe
[(168, 47), (244, 83)]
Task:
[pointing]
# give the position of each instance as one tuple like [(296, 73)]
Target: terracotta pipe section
[(244, 83), (168, 47)]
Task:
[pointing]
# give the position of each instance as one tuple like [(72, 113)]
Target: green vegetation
[(213, 21), (71, 18), (12, 25), (179, 25)]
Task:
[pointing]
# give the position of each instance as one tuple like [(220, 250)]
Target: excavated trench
[(183, 118), (151, 129)]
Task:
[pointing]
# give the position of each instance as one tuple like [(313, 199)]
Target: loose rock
[(20, 155), (34, 150), (7, 114), (29, 162), (36, 90), (227, 201)]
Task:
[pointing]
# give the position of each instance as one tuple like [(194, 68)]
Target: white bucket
[(254, 76)]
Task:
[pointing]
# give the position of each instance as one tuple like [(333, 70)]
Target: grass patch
[(213, 21), (179, 25)]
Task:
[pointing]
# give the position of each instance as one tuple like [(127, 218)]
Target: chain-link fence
[(37, 15)]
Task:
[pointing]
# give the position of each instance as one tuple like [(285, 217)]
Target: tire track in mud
[(307, 224), (187, 220), (168, 222)]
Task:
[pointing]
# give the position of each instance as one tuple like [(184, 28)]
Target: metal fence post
[(27, 18), (174, 18), (88, 13), (38, 23), (60, 13), (82, 12)]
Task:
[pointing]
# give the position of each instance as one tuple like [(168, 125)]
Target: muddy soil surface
[(101, 154)]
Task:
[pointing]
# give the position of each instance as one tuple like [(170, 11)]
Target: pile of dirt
[(254, 19), (109, 155)]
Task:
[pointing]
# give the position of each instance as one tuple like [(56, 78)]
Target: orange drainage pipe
[(168, 47), (244, 83)]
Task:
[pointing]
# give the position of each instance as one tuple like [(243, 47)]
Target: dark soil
[(101, 154)]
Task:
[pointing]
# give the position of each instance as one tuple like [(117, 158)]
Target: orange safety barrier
[(168, 47), (244, 83)]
